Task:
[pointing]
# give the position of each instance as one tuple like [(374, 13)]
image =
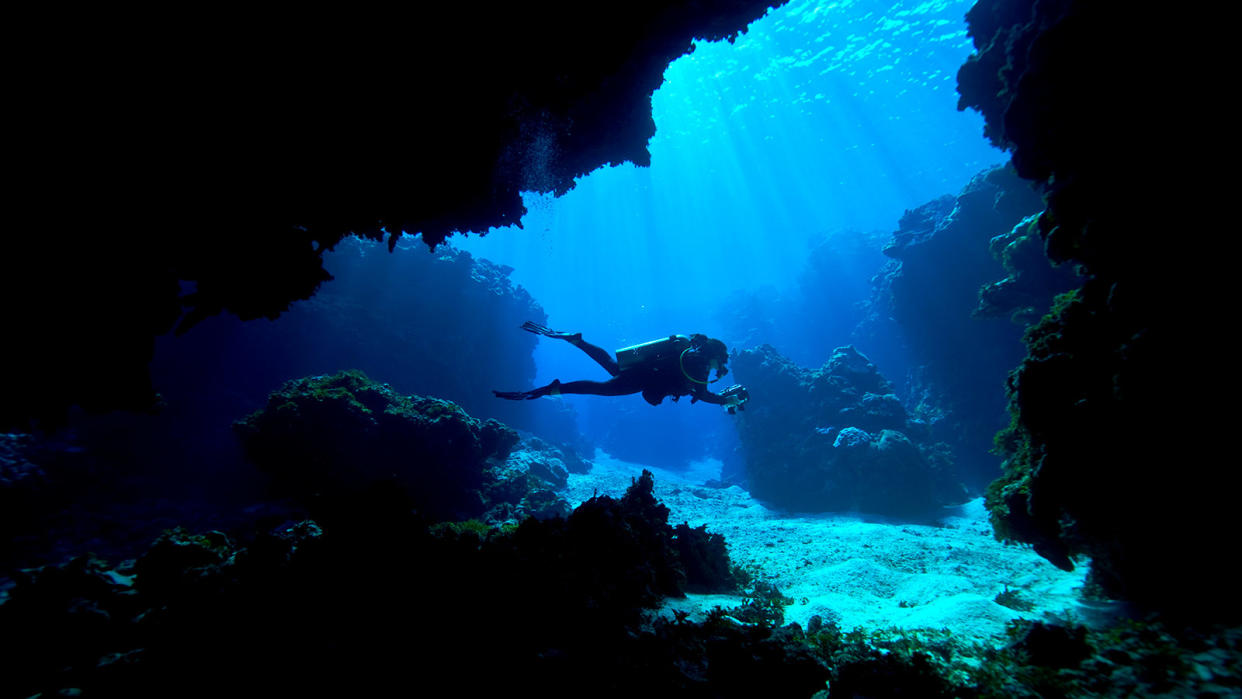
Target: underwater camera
[(735, 397)]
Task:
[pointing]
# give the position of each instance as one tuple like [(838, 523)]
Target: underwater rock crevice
[(943, 262)]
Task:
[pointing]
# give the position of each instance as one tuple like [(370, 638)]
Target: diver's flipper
[(552, 389), (513, 395), (538, 329)]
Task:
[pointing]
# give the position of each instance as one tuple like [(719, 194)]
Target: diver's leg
[(551, 389), (601, 356), (616, 386)]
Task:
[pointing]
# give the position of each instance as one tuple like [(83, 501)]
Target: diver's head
[(715, 351)]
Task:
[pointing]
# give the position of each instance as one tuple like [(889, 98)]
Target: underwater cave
[(903, 305)]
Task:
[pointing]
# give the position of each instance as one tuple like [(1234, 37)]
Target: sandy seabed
[(858, 571)]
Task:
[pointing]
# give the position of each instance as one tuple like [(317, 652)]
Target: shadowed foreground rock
[(379, 602), (205, 165), (1111, 452)]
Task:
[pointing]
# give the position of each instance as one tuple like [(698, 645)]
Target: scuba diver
[(675, 366)]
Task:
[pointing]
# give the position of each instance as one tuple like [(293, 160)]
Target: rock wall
[(928, 296), (1106, 454)]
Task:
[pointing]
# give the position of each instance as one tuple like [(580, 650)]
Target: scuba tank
[(652, 354)]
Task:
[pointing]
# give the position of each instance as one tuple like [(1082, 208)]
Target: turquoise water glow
[(825, 117)]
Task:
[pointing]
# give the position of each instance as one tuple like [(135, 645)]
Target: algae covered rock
[(837, 439), (327, 435), (525, 484), (1031, 280)]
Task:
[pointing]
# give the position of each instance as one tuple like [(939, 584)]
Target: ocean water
[(781, 165), (824, 121)]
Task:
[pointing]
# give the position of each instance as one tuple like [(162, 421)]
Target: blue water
[(824, 119)]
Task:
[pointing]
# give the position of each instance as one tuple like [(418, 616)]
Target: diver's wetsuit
[(655, 379)]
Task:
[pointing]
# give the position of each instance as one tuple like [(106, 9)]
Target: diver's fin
[(538, 329)]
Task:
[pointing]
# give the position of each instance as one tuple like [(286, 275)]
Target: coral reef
[(526, 484), (1101, 461), (325, 437), (837, 439), (232, 171)]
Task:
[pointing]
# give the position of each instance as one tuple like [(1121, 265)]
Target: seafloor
[(861, 572)]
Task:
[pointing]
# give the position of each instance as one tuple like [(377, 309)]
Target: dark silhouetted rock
[(1099, 460), (231, 170), (1031, 280), (382, 604)]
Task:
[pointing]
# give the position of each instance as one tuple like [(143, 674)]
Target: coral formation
[(325, 436), (837, 439)]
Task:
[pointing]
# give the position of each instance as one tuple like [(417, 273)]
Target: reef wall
[(928, 296), (233, 151), (836, 439), (1111, 453)]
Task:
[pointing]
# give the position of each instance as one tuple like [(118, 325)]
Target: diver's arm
[(702, 393), (733, 398)]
